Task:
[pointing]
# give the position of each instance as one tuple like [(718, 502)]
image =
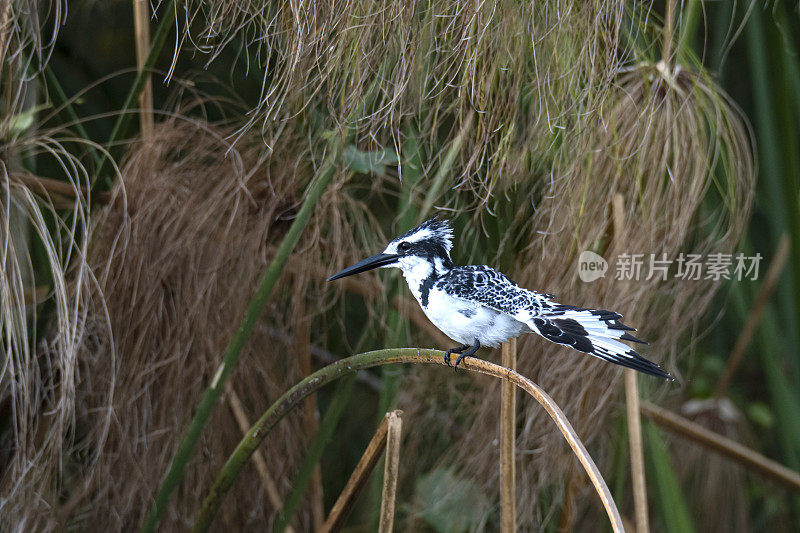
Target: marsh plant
[(130, 257)]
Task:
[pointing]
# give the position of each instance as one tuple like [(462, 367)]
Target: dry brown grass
[(178, 252), (44, 224), (552, 128), (43, 245), (40, 351), (527, 72), (25, 47)]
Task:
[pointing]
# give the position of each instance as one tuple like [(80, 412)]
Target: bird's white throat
[(418, 269)]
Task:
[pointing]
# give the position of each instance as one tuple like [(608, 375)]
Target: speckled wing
[(593, 331), (484, 285)]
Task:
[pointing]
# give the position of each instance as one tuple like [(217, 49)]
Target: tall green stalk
[(673, 505), (234, 349), (777, 140), (776, 161)]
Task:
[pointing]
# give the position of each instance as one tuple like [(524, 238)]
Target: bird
[(475, 305)]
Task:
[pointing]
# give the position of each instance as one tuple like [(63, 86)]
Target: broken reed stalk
[(743, 455), (270, 488), (632, 402), (753, 317), (632, 405), (637, 453), (508, 439), (234, 348), (141, 24), (358, 479), (391, 472), (233, 466)]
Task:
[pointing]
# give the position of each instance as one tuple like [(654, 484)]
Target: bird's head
[(425, 247)]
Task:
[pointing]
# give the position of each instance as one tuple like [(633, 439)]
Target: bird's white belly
[(464, 321)]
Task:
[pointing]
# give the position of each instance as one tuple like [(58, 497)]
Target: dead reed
[(166, 244)]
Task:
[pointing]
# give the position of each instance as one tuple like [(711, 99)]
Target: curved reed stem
[(318, 379)]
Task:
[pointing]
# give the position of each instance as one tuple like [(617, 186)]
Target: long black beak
[(377, 260)]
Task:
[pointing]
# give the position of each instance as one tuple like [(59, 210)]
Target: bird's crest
[(431, 229)]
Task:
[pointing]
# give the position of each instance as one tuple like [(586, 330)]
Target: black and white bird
[(478, 306)]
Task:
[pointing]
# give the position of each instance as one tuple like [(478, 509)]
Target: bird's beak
[(377, 260)]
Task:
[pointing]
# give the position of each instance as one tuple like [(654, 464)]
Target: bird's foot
[(454, 350), (468, 353)]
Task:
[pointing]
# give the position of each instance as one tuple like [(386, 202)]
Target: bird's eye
[(403, 246)]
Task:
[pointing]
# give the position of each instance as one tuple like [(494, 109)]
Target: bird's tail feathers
[(596, 332)]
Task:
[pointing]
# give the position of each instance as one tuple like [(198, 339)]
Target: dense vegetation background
[(135, 234)]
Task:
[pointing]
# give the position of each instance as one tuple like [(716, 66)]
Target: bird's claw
[(470, 351)]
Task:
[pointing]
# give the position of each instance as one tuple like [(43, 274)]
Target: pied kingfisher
[(477, 306)]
